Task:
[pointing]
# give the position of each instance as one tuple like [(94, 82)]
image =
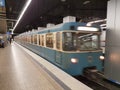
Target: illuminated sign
[(2, 3)]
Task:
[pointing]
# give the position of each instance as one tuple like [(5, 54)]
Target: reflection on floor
[(18, 72)]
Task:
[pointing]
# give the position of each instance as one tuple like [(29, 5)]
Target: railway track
[(96, 80), (91, 83)]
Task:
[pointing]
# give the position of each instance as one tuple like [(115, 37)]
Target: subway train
[(71, 46)]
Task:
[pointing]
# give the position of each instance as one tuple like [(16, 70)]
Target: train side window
[(49, 40), (42, 40), (39, 40), (35, 39), (27, 39), (58, 40), (24, 38), (31, 38)]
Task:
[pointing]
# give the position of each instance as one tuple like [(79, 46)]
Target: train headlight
[(102, 57), (74, 60)]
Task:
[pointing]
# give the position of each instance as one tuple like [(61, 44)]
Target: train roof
[(61, 27), (64, 26)]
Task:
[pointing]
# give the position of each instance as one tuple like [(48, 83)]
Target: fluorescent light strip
[(22, 13), (103, 25), (86, 2), (88, 28), (97, 21)]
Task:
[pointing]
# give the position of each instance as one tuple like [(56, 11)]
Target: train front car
[(70, 46), (80, 50)]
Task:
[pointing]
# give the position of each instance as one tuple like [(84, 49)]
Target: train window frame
[(26, 38), (49, 40), (39, 40), (29, 38), (63, 42), (35, 39), (58, 41), (42, 39), (23, 38), (77, 43), (32, 40), (92, 41)]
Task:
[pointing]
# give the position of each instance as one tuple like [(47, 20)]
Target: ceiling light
[(88, 28), (86, 2), (97, 21), (63, 0), (22, 13), (103, 25)]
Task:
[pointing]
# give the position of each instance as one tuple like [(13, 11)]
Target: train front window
[(88, 41), (74, 41), (69, 41)]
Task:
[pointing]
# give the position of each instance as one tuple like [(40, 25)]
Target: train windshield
[(88, 41), (69, 41), (73, 41)]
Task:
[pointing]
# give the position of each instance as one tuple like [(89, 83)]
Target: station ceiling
[(41, 12)]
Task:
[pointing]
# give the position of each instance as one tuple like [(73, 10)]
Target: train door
[(58, 57)]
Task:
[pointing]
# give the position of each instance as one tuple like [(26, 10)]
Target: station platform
[(21, 69)]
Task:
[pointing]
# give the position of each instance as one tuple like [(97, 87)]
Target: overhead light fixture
[(88, 28), (97, 21), (86, 2), (22, 13), (63, 0), (103, 25)]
